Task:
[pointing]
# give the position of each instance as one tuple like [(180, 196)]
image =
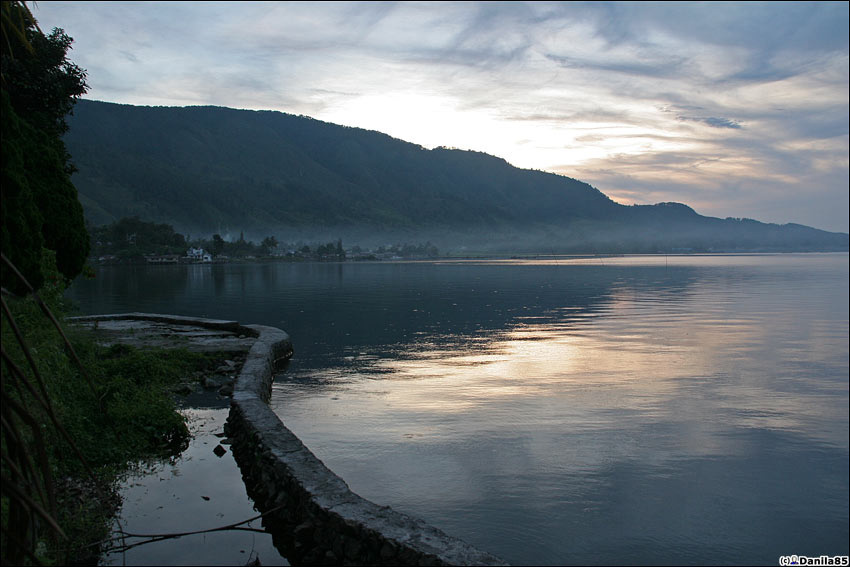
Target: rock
[(219, 451), (230, 363), (210, 382), (226, 390)]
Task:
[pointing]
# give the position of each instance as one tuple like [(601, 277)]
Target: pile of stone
[(220, 380), (224, 378)]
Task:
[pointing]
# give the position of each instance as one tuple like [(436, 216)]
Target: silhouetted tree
[(269, 244), (40, 204), (133, 236), (218, 244)]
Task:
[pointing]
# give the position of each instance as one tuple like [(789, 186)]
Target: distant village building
[(198, 255), (195, 253)]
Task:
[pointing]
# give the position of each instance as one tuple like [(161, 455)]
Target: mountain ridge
[(215, 169)]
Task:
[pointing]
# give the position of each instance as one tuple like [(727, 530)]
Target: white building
[(198, 255)]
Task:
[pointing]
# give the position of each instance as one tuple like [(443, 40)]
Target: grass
[(117, 411)]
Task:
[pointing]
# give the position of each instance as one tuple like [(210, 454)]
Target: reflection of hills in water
[(409, 311), (374, 303), (354, 314)]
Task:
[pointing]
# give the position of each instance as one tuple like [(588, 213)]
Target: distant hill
[(213, 169)]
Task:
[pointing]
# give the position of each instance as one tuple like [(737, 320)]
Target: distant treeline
[(406, 250), (132, 238)]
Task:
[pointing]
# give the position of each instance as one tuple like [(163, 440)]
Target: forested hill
[(212, 169)]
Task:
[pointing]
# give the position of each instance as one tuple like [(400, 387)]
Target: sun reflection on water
[(541, 420)]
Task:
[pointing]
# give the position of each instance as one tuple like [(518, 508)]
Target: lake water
[(647, 410)]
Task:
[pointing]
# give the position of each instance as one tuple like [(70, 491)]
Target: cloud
[(747, 178), (712, 121), (715, 104), (670, 67)]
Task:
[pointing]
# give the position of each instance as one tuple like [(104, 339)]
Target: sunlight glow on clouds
[(737, 109)]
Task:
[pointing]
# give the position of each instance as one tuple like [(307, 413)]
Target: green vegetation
[(40, 205), (201, 168), (406, 250), (332, 251), (129, 412), (74, 414), (116, 410), (132, 237), (211, 169), (240, 248)]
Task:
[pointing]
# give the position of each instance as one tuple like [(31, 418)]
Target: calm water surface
[(689, 409), (195, 491)]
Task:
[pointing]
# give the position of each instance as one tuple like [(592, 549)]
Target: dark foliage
[(202, 167), (130, 237), (42, 83), (40, 204)]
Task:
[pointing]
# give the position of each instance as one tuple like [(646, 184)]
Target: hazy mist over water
[(681, 409)]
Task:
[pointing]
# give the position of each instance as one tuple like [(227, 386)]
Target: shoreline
[(311, 513)]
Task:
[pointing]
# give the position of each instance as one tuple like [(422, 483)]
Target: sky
[(736, 109)]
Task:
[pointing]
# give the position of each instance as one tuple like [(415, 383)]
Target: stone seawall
[(315, 518), (311, 513)]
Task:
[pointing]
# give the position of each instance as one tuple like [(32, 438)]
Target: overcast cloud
[(737, 109)]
